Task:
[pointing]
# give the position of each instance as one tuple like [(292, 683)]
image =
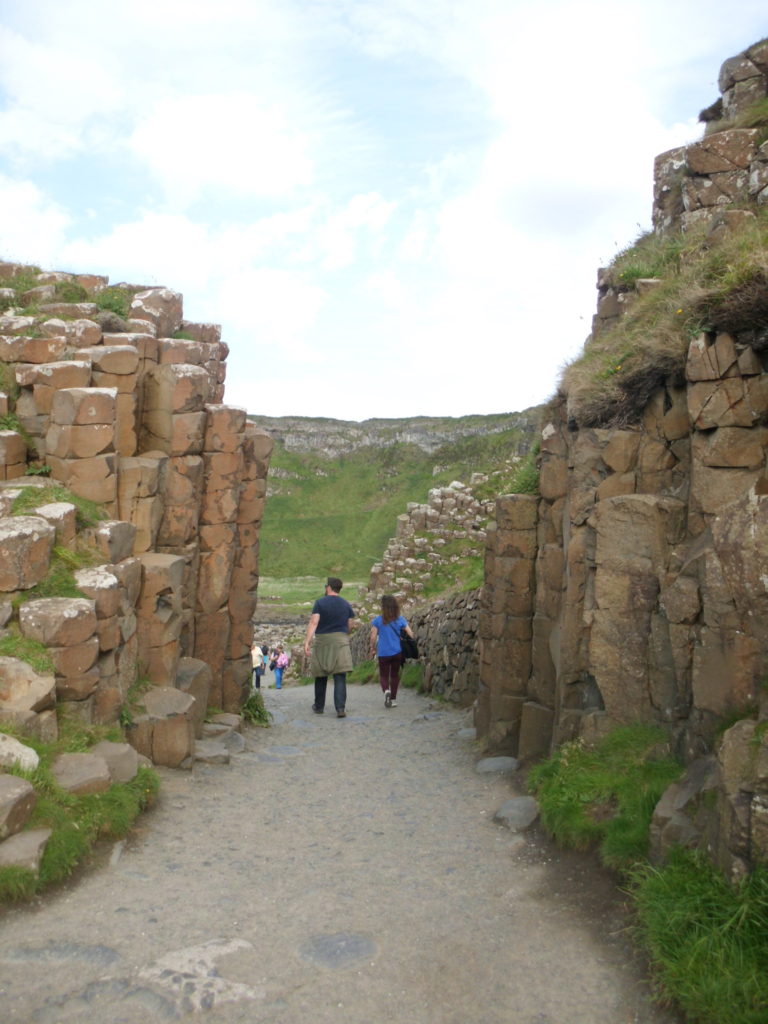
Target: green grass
[(365, 672), (36, 654), (114, 300), (89, 513), (295, 595), (603, 796), (412, 676), (454, 577), (707, 939), (335, 516), (70, 291), (8, 383), (706, 285), (77, 822), (253, 711), (59, 581)]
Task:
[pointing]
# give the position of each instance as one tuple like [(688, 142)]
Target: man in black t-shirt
[(329, 625)]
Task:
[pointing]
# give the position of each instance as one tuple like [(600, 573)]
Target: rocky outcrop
[(633, 589), (127, 413), (692, 183)]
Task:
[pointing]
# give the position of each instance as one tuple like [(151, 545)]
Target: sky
[(393, 208)]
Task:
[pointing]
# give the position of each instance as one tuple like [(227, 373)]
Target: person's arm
[(374, 640), (311, 627)]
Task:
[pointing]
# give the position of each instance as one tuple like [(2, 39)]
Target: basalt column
[(505, 621)]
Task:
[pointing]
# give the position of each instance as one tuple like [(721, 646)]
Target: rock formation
[(634, 588), (126, 412)]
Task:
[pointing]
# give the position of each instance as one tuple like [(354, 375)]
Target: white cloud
[(432, 179), (228, 141), (31, 225)]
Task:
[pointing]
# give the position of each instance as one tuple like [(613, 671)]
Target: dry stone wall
[(448, 528), (128, 413), (634, 588), (430, 538)]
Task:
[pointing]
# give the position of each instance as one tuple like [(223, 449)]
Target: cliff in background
[(332, 438), (336, 488)]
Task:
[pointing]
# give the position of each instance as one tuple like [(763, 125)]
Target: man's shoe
[(341, 714), (317, 710), (387, 699)]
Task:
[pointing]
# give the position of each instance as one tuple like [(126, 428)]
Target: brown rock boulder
[(26, 543), (84, 406), (121, 759), (81, 773), (25, 850), (17, 800), (58, 621), (22, 689), (194, 677)]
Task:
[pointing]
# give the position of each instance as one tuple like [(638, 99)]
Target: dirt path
[(342, 871)]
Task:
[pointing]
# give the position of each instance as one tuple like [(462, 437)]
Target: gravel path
[(343, 871)]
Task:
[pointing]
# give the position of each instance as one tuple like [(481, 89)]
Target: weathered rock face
[(132, 419), (634, 588)]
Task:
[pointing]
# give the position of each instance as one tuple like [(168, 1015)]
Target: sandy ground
[(343, 870)]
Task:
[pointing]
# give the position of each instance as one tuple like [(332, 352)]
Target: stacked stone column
[(223, 466), (505, 621), (256, 450), (80, 443)]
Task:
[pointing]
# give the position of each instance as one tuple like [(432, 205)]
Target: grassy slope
[(336, 515)]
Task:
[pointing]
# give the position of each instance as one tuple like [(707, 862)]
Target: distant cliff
[(336, 488), (332, 438)]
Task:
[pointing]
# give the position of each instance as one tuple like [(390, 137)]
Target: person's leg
[(340, 690), (278, 678), (383, 675), (320, 684), (394, 675)]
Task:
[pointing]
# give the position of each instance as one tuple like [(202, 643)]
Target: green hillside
[(336, 514)]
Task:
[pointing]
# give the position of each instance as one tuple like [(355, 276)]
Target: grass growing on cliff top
[(707, 939), (603, 795), (705, 284)]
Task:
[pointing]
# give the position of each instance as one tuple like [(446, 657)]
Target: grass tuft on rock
[(89, 513), (114, 299), (35, 653), (254, 712), (705, 283)]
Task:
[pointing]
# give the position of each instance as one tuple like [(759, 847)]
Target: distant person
[(329, 625), (385, 644), (257, 661), (282, 661)]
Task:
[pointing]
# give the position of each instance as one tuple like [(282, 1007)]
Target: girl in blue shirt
[(385, 643)]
